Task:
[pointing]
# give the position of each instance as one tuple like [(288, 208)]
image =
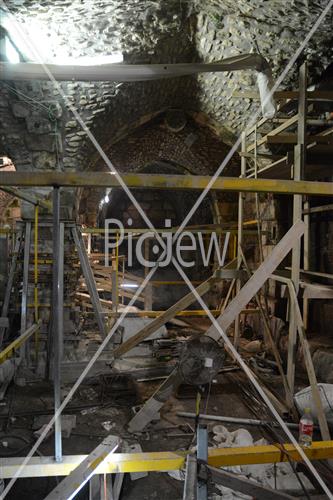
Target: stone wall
[(155, 148), (38, 131), (276, 28)]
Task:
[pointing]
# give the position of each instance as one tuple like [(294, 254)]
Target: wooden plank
[(292, 139), (275, 131), (150, 409), (315, 291), (147, 330), (314, 210), (238, 483), (165, 182), (74, 482), (258, 279), (307, 356)]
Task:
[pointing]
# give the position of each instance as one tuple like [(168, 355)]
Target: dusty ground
[(225, 399)]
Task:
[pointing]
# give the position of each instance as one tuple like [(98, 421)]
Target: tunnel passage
[(165, 210)]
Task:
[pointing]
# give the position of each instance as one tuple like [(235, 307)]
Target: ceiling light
[(129, 285)]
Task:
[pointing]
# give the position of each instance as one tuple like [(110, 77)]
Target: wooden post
[(240, 235), (148, 304), (298, 174), (306, 258)]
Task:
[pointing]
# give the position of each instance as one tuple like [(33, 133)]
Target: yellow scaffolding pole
[(11, 348), (163, 461)]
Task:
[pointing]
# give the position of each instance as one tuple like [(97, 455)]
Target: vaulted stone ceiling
[(38, 131)]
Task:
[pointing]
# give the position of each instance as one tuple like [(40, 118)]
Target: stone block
[(44, 160), (21, 109), (38, 125)]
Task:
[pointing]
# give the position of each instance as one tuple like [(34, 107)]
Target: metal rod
[(27, 238), (57, 315), (36, 277), (10, 281), (202, 456), (234, 420), (90, 281), (190, 483)]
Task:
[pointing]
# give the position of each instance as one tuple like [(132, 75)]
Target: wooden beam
[(277, 130), (323, 208), (315, 95), (161, 181), (257, 279), (292, 139), (147, 330)]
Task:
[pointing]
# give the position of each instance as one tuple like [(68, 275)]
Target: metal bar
[(18, 342), (10, 281), (190, 483), (202, 457), (90, 281), (161, 181), (36, 278), (164, 460), (57, 316), (25, 282), (74, 482), (234, 482)]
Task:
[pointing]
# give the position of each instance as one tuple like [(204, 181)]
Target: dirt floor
[(24, 404)]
